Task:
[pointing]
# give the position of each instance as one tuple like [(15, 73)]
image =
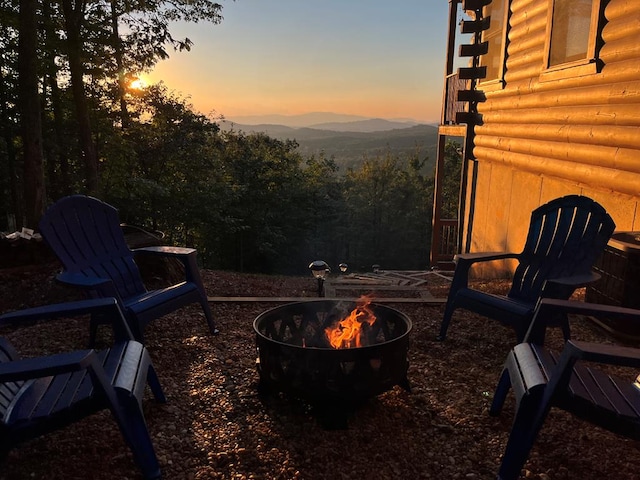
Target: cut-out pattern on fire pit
[(294, 355)]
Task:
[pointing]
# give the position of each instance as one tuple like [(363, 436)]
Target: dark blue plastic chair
[(572, 380), (565, 238), (40, 395), (86, 236)]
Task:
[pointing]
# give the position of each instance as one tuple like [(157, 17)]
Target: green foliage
[(389, 215), (451, 179)]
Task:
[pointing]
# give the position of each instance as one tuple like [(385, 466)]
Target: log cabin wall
[(544, 136)]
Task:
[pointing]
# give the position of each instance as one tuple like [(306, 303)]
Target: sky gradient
[(361, 57)]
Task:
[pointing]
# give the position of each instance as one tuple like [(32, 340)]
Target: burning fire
[(348, 332)]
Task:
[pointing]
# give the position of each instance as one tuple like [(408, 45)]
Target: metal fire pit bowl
[(295, 358)]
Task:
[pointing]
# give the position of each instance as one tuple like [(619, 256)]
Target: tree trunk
[(73, 21), (10, 179), (29, 100), (122, 87), (57, 156)]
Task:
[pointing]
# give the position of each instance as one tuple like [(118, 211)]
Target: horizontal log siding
[(580, 129), (621, 43), (581, 172), (623, 159), (621, 8), (527, 19), (526, 40), (587, 135), (587, 95)]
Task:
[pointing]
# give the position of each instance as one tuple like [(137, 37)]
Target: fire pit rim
[(407, 320)]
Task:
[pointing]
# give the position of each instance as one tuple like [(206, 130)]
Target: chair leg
[(136, 327), (500, 395), (154, 384), (193, 275), (525, 428), (521, 328), (446, 319), (130, 419), (123, 390), (207, 313)]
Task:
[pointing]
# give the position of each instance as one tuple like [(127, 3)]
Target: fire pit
[(295, 355)]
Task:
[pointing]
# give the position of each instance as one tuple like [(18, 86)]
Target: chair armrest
[(592, 309), (547, 307), (575, 281), (104, 307), (604, 353), (57, 310), (29, 368), (484, 256), (103, 287), (464, 261), (164, 250), (575, 351), (186, 255), (564, 287)]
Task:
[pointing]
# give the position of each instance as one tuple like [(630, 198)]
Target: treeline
[(71, 122), (66, 68)]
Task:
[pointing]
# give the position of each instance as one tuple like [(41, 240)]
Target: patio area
[(216, 426)]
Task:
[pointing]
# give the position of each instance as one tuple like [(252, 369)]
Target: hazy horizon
[(314, 118)]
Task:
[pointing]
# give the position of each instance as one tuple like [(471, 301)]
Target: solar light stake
[(319, 269)]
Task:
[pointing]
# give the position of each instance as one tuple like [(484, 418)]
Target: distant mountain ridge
[(371, 125), (350, 148), (322, 121)]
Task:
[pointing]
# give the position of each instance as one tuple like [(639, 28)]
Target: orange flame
[(348, 332)]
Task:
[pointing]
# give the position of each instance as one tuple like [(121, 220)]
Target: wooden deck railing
[(445, 243)]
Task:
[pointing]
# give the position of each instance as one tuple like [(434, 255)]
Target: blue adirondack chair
[(40, 395), (565, 238), (542, 379), (86, 236)]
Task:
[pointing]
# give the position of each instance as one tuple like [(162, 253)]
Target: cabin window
[(495, 36), (572, 34)]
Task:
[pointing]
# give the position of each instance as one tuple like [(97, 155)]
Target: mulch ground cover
[(215, 425)]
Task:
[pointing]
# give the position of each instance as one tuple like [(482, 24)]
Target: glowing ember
[(348, 332)]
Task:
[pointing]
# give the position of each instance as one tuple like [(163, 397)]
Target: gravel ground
[(216, 426)]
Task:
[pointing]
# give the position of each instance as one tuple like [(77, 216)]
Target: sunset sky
[(362, 57)]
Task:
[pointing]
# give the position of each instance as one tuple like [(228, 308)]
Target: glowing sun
[(137, 83)]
